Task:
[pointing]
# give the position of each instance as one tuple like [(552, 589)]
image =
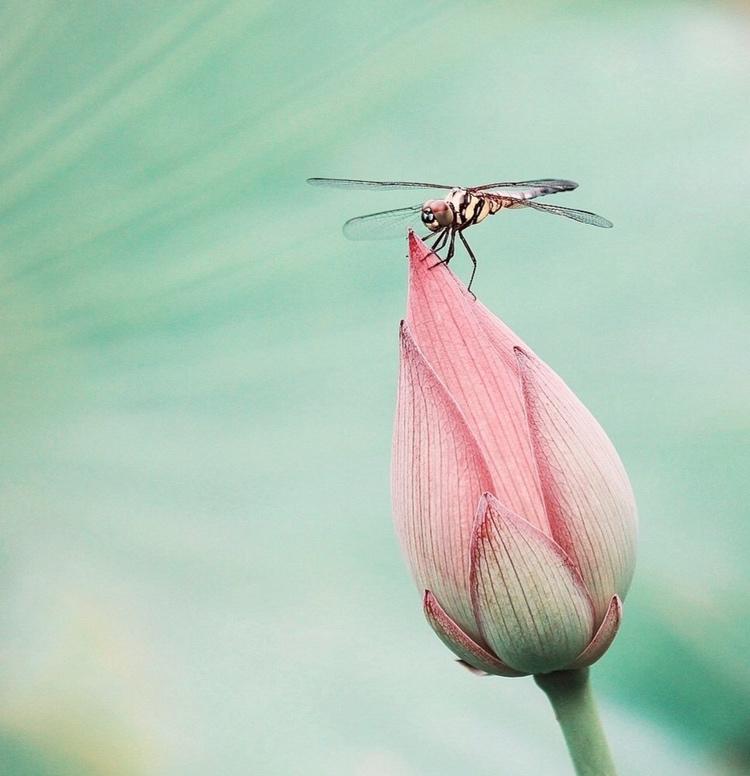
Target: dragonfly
[(460, 208)]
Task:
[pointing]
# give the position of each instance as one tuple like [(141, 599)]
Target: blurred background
[(198, 373)]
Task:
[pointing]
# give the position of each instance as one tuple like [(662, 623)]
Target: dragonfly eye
[(436, 215)]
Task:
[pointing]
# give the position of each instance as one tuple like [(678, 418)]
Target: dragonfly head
[(436, 214)]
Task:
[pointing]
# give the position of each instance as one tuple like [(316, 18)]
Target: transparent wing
[(568, 212), (345, 183), (384, 225), (545, 186)]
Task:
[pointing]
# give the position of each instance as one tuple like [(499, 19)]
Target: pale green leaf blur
[(199, 573)]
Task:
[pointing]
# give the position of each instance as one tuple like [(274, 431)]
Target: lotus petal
[(532, 607), (439, 474), (587, 493), (442, 317)]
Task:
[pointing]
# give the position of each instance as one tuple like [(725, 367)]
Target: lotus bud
[(511, 505)]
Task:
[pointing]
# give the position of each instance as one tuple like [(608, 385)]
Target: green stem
[(570, 694)]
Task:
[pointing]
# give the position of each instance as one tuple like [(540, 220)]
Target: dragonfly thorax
[(437, 214)]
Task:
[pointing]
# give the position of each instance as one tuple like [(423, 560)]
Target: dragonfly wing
[(345, 183), (537, 188), (568, 212), (384, 225)]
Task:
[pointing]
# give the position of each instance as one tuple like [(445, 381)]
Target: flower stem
[(570, 694)]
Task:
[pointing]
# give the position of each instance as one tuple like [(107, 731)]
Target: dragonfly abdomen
[(498, 203)]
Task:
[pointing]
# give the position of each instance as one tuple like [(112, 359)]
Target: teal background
[(199, 573)]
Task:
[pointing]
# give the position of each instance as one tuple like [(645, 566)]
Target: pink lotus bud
[(511, 504)]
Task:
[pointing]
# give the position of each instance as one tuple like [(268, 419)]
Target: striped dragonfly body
[(470, 208), (459, 209)]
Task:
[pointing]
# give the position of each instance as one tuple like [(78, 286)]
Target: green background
[(198, 570)]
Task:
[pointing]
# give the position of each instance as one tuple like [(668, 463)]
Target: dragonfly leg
[(451, 248), (473, 261), (439, 244)]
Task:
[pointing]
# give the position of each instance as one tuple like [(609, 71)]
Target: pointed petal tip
[(418, 264), (488, 508), (603, 637), (417, 248), (410, 350), (491, 514), (405, 336), (485, 500)]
